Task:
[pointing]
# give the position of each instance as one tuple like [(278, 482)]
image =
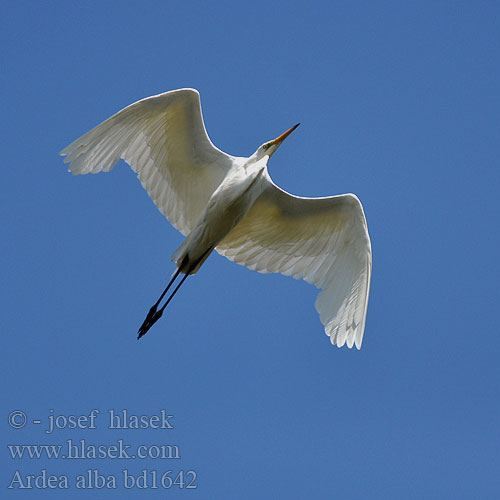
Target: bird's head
[(269, 148)]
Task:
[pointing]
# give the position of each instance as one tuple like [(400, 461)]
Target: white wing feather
[(321, 240), (163, 139)]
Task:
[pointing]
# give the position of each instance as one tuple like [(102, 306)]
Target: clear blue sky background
[(399, 103)]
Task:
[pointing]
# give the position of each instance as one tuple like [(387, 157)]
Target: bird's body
[(230, 204)]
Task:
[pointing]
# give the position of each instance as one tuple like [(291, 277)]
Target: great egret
[(230, 204)]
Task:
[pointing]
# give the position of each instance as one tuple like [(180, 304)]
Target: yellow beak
[(282, 137)]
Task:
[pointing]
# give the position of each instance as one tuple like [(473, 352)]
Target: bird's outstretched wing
[(324, 241), (163, 139)]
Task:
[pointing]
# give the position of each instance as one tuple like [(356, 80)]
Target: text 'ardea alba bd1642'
[(230, 204)]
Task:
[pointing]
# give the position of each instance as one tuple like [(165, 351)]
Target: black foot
[(152, 317)]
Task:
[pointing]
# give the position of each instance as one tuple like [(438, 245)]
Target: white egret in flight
[(230, 204)]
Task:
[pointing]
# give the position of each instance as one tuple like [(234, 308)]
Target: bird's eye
[(266, 146)]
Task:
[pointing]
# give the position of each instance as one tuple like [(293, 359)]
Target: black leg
[(144, 327), (154, 315)]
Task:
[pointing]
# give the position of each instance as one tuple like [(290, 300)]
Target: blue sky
[(399, 104)]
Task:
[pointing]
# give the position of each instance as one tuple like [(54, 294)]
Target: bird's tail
[(187, 263), (180, 257)]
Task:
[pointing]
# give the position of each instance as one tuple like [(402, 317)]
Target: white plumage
[(230, 204)]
